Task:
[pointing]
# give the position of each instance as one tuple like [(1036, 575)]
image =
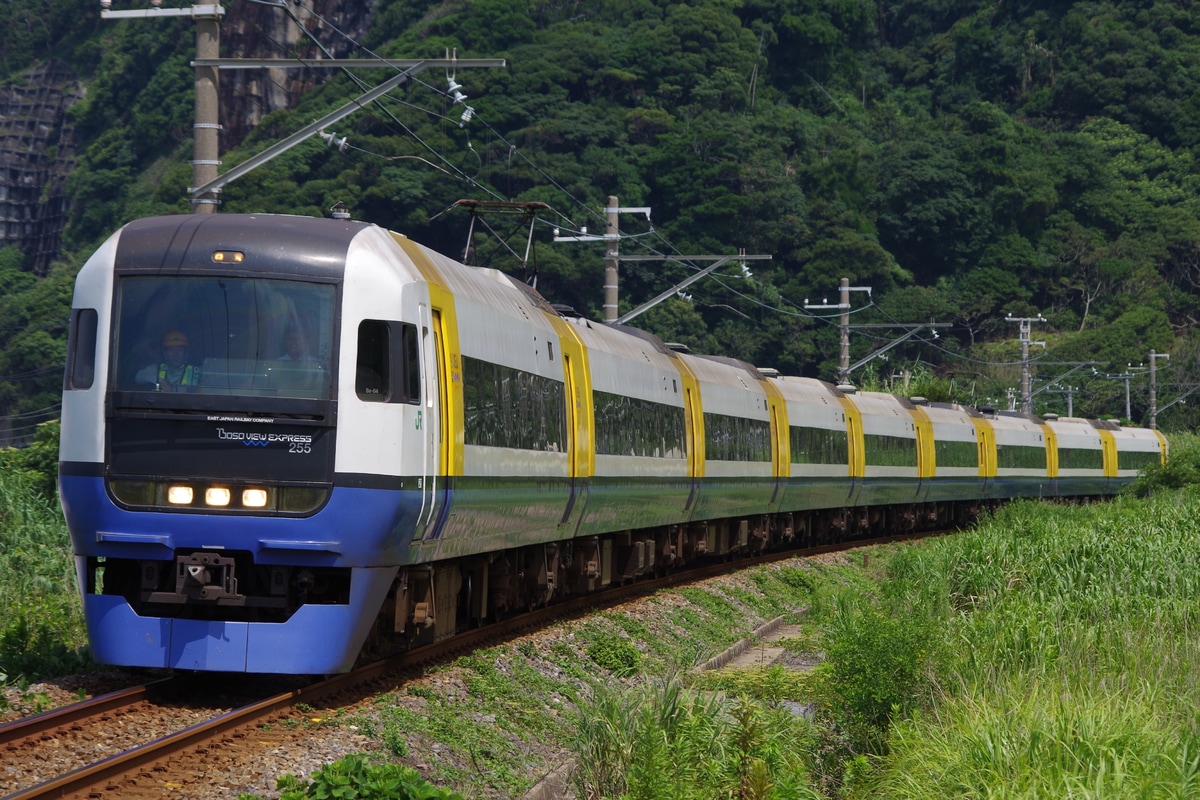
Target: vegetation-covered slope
[(963, 160)]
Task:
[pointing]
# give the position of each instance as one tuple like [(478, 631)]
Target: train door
[(431, 424), (855, 448), (781, 443)]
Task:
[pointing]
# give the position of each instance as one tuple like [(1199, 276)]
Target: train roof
[(296, 246)]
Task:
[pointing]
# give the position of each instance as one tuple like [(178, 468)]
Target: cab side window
[(388, 367), (81, 350)]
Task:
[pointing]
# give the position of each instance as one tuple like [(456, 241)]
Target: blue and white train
[(452, 448)]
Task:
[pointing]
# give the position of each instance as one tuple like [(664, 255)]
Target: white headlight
[(179, 495)]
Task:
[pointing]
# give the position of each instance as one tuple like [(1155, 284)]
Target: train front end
[(198, 456)]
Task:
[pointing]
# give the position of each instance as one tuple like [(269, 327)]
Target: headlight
[(263, 499), (179, 495)]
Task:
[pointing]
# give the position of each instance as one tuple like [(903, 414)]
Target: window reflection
[(957, 454), (1080, 458), (890, 451), (506, 407), (628, 426), (729, 438), (819, 446), (1013, 456)]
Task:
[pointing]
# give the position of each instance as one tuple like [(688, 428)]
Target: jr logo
[(419, 412)]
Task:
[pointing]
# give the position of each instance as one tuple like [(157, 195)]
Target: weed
[(394, 741), (771, 685), (614, 653), (420, 691), (660, 739), (353, 778)]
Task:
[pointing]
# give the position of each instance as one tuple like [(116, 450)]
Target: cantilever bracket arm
[(681, 286), (1179, 399), (329, 119), (298, 137), (886, 347)]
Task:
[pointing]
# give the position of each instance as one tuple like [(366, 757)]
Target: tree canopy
[(966, 161)]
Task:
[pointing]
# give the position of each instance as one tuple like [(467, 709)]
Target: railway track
[(104, 747)]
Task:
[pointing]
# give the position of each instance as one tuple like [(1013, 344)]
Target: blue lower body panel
[(316, 640)]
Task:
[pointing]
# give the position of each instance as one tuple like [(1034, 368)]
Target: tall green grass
[(1063, 656), (661, 739), (41, 622)]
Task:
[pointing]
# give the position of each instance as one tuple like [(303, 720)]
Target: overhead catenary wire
[(455, 95), (475, 117)]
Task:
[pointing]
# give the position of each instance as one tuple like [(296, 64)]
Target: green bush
[(1182, 468), (352, 778), (875, 667), (32, 641), (38, 461), (615, 653)]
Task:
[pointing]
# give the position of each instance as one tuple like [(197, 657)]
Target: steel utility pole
[(207, 125), (1154, 387), (1026, 329), (844, 305)]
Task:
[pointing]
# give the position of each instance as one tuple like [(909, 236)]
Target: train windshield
[(225, 336)]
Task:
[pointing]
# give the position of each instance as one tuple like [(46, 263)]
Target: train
[(287, 440)]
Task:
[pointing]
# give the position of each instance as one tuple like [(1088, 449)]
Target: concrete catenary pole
[(206, 136), (1026, 332), (206, 126), (843, 305), (612, 260), (1154, 387), (844, 332)]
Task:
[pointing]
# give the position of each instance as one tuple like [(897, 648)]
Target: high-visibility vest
[(189, 377)]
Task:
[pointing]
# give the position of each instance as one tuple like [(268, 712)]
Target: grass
[(1051, 652), (483, 714), (1060, 657), (42, 631), (486, 711), (660, 738)]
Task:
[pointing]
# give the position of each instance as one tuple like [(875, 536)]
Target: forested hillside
[(964, 160)]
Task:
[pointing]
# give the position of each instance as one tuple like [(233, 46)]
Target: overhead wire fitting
[(332, 140), (458, 97)]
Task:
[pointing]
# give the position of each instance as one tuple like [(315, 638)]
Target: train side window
[(81, 364), (372, 379)]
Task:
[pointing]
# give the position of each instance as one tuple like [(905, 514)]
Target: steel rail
[(16, 731)]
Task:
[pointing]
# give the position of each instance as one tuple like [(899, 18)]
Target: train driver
[(297, 349), (173, 373)]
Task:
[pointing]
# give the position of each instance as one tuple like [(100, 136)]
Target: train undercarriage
[(432, 602)]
